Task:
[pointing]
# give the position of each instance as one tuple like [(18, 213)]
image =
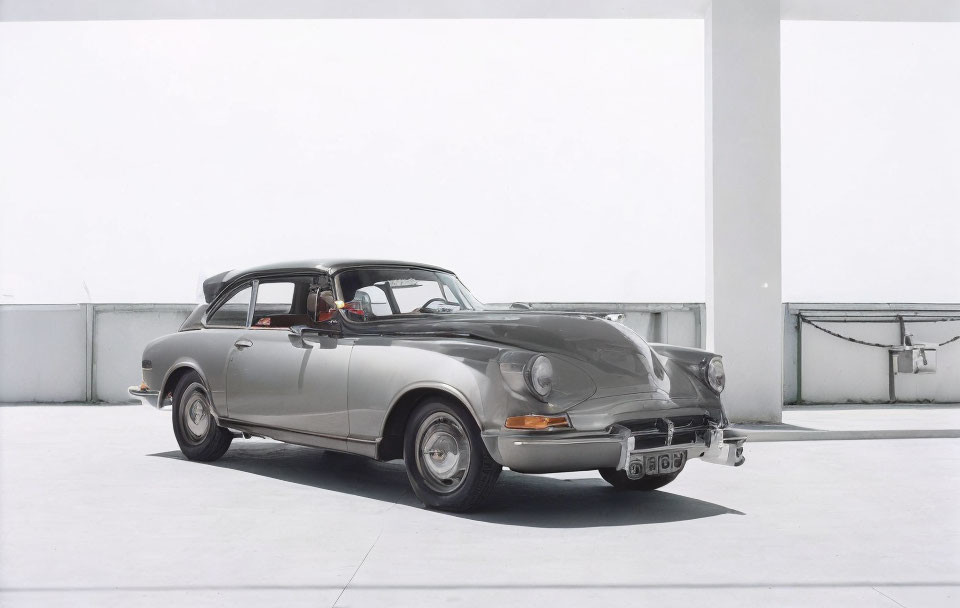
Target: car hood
[(617, 359)]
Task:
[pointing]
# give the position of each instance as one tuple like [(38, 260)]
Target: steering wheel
[(427, 304)]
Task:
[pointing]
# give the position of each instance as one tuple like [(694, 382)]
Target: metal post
[(89, 389), (94, 397), (892, 372), (699, 312), (799, 358), (656, 327)]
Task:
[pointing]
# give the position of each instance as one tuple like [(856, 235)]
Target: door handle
[(241, 344)]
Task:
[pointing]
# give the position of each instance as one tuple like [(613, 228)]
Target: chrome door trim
[(253, 302)]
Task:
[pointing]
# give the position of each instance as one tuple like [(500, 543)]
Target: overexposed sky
[(870, 161), (542, 160), (140, 156)]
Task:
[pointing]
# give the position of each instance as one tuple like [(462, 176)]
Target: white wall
[(62, 353), (43, 353), (871, 197), (838, 371), (120, 333)]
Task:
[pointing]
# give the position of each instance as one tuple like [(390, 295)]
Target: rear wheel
[(193, 424), (447, 464), (620, 481)]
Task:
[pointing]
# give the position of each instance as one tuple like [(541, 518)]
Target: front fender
[(383, 370)]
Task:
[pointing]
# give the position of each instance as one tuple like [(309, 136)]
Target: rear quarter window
[(233, 312)]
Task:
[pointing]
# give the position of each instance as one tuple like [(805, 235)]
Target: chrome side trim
[(350, 445), (553, 442), (231, 422)]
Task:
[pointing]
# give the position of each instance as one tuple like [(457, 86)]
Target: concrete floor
[(875, 417), (97, 507), (816, 423)]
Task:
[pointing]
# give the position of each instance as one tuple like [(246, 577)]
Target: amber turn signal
[(536, 422), (144, 387)]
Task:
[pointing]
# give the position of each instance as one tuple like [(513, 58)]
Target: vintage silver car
[(398, 360)]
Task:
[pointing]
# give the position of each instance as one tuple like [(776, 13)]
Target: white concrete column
[(744, 321)]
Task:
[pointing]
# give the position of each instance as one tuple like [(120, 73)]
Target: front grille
[(652, 432)]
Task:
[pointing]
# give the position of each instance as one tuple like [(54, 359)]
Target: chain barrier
[(855, 341)]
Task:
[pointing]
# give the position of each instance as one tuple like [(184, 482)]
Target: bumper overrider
[(617, 448), (145, 396)]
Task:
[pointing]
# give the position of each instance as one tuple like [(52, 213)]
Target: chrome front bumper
[(556, 452), (151, 398)]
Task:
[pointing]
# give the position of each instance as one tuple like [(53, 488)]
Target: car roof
[(215, 284)]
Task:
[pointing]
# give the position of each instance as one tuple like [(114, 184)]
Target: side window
[(288, 302), (274, 305), (233, 313)]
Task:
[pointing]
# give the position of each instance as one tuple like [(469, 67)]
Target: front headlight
[(538, 373), (714, 375), (550, 379)]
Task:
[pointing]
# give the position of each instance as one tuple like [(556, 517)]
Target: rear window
[(233, 312)]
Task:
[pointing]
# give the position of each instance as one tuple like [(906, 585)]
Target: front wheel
[(193, 424), (447, 464), (620, 481)]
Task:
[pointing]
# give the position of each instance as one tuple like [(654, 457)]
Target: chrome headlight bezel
[(538, 374), (713, 374)]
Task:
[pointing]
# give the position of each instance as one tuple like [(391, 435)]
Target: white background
[(871, 161), (541, 160)]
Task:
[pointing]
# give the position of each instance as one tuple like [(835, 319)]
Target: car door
[(279, 379), (224, 324)]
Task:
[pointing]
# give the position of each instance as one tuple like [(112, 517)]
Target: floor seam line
[(888, 597), (362, 561)]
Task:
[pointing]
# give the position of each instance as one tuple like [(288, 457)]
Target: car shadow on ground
[(518, 500)]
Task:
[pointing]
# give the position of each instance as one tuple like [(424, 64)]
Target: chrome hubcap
[(196, 412), (443, 452)]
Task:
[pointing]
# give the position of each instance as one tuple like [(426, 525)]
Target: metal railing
[(856, 346)]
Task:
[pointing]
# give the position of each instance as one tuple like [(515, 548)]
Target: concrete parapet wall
[(92, 352), (821, 368), (78, 352)]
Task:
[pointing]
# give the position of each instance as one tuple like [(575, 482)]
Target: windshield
[(375, 293)]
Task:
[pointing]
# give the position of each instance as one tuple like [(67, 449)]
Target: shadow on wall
[(518, 500)]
